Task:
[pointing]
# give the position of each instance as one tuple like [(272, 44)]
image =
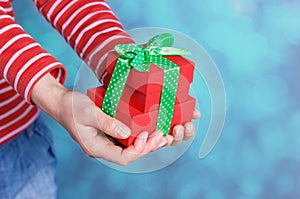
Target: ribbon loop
[(165, 39), (157, 46)]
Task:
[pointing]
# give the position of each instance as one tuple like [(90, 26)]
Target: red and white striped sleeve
[(6, 5), (89, 26), (23, 61)]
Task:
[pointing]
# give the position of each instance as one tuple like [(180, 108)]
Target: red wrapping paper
[(139, 121), (143, 89)]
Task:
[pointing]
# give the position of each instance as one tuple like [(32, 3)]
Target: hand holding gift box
[(146, 87)]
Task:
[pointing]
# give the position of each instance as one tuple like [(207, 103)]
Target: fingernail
[(179, 130), (144, 136), (141, 140), (123, 130), (189, 127)]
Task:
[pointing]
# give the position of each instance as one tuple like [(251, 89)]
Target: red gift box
[(143, 89), (139, 121)]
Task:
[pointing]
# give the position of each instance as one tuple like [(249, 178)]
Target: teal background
[(255, 44)]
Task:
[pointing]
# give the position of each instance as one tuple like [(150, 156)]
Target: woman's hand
[(84, 122)]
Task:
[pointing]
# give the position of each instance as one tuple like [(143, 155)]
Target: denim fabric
[(27, 165)]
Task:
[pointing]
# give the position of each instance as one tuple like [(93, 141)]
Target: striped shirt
[(89, 26)]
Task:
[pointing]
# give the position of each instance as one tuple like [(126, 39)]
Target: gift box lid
[(152, 81)]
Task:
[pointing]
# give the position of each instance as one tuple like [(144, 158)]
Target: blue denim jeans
[(28, 164)]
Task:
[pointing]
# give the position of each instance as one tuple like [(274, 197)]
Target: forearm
[(23, 61)]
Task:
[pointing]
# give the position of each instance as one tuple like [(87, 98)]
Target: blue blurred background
[(256, 45)]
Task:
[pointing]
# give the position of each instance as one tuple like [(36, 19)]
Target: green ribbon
[(139, 58)]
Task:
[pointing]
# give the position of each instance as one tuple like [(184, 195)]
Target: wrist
[(48, 95)]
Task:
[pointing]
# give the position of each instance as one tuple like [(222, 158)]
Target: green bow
[(139, 58)]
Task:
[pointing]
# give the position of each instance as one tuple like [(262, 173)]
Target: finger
[(140, 141), (163, 142), (134, 151), (169, 139), (111, 126), (196, 114), (154, 142), (142, 146), (99, 146), (178, 134), (189, 131)]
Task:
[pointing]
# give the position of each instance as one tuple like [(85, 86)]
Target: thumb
[(111, 126)]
